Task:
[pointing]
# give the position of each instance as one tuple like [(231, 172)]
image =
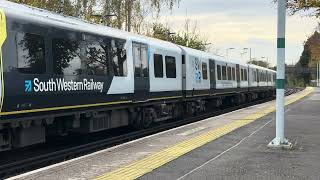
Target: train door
[(212, 67), (141, 71), (238, 75)]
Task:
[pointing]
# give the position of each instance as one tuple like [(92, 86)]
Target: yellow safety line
[(141, 167)]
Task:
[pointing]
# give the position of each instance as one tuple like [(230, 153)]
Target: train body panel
[(197, 77), (165, 67)]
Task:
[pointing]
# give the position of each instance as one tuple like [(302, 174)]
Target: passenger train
[(60, 75)]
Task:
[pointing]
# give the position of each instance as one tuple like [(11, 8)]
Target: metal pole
[(317, 78), (279, 140), (227, 55), (318, 73)]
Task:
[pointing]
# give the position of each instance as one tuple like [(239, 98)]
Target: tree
[(259, 63), (187, 37), (50, 5), (129, 14), (305, 58), (304, 5)]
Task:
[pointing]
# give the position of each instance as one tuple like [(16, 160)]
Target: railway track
[(37, 161)]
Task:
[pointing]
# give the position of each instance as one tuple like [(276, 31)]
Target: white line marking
[(222, 153), (192, 131), (128, 143)]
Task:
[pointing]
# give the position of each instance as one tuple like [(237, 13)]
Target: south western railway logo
[(62, 85)]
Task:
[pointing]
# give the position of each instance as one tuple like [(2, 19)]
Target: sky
[(242, 24)]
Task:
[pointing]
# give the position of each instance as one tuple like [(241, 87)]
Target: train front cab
[(4, 139), (3, 35)]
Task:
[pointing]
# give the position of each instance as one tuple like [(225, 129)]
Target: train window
[(66, 57), (256, 76), (140, 53), (224, 73), (204, 70), (260, 76), (233, 74), (229, 73), (183, 59), (242, 75), (270, 77), (158, 65), (31, 53), (171, 67), (219, 72), (97, 63), (144, 60), (246, 75), (137, 63), (119, 59)]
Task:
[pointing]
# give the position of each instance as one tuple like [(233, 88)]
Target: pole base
[(276, 143)]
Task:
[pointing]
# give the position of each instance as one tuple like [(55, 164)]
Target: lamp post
[(243, 54), (227, 52), (317, 78), (249, 53)]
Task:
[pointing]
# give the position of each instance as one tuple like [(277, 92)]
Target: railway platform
[(229, 146)]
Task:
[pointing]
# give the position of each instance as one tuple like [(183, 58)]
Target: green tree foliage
[(305, 58), (50, 5), (186, 37), (295, 6), (127, 14), (259, 63), (304, 5)]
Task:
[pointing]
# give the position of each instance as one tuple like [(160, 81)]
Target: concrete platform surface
[(173, 154), (243, 154)]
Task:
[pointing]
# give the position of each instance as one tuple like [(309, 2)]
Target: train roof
[(261, 68), (210, 56), (46, 17)]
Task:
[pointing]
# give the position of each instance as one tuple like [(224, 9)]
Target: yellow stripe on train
[(3, 36)]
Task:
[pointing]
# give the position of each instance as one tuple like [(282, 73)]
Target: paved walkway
[(243, 153)]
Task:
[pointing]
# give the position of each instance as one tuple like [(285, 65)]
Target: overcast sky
[(243, 24)]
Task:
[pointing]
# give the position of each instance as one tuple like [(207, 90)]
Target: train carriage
[(61, 75)]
